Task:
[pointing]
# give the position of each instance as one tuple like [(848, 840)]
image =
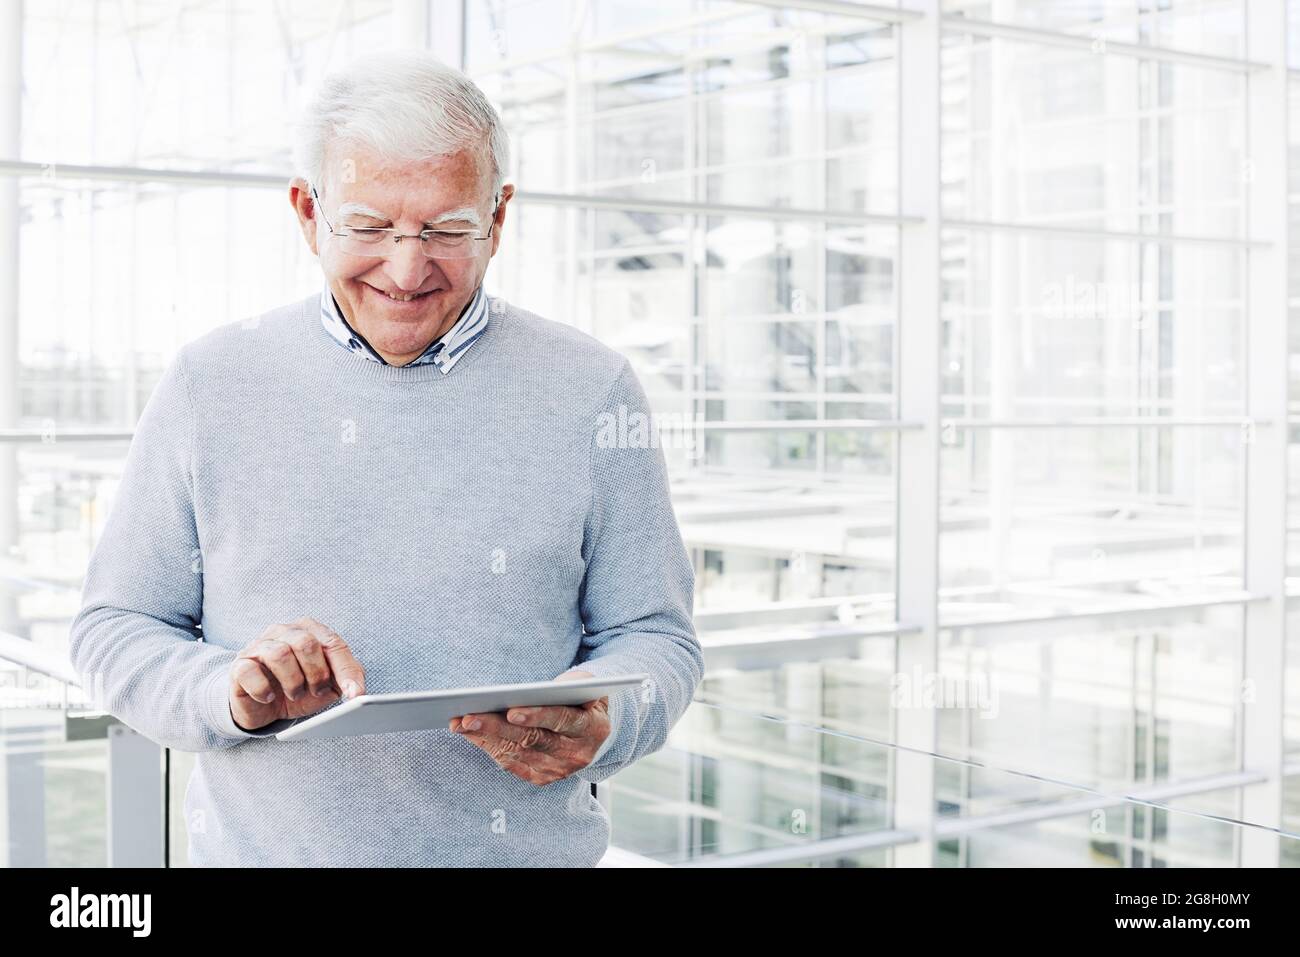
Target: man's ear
[(499, 219), (305, 208)]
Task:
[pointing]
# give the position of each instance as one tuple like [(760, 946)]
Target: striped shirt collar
[(444, 352)]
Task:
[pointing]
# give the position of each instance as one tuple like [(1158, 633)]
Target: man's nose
[(407, 265)]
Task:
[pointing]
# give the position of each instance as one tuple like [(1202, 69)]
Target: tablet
[(433, 710)]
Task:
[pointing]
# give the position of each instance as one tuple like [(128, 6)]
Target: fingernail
[(516, 717), (270, 696), (475, 724), (350, 687)]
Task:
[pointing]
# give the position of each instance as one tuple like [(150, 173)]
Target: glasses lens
[(448, 246), (363, 242), (378, 242)]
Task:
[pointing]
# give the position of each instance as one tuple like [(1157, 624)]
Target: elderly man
[(398, 484)]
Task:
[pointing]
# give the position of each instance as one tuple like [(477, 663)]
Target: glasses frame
[(343, 232)]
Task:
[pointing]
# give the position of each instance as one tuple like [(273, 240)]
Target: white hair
[(405, 105)]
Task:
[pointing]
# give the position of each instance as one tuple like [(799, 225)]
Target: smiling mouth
[(402, 297)]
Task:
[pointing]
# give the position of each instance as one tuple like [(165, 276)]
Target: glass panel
[(1110, 703), (713, 102), (768, 529), (1091, 514), (1042, 328), (1050, 135), (738, 788), (154, 271), (1215, 27), (1291, 687), (188, 86), (53, 784)]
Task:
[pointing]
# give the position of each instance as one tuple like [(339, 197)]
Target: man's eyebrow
[(466, 214), (360, 209)]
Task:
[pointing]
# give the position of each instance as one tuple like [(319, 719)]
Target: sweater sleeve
[(136, 641), (637, 595)]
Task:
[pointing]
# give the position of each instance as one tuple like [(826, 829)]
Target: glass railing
[(54, 774), (733, 787), (77, 787), (738, 788)]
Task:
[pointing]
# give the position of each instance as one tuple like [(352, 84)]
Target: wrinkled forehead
[(360, 175)]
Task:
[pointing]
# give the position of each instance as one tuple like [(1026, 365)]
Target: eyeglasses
[(435, 243)]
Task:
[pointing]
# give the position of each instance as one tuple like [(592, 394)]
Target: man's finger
[(534, 739), (348, 673), (252, 679), (311, 659), (281, 660), (572, 721)]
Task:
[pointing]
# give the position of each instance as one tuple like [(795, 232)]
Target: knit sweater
[(456, 530)]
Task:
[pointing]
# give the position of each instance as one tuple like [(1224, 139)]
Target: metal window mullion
[(917, 473), (136, 815), (1100, 45), (1264, 450), (11, 108), (697, 253), (817, 81)]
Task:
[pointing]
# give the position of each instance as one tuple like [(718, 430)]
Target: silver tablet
[(433, 710)]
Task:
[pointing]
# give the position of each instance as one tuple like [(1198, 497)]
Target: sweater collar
[(444, 352)]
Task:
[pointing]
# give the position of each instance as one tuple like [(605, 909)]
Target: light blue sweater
[(458, 529)]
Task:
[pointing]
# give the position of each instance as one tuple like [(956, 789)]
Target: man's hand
[(544, 743), (292, 671)]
